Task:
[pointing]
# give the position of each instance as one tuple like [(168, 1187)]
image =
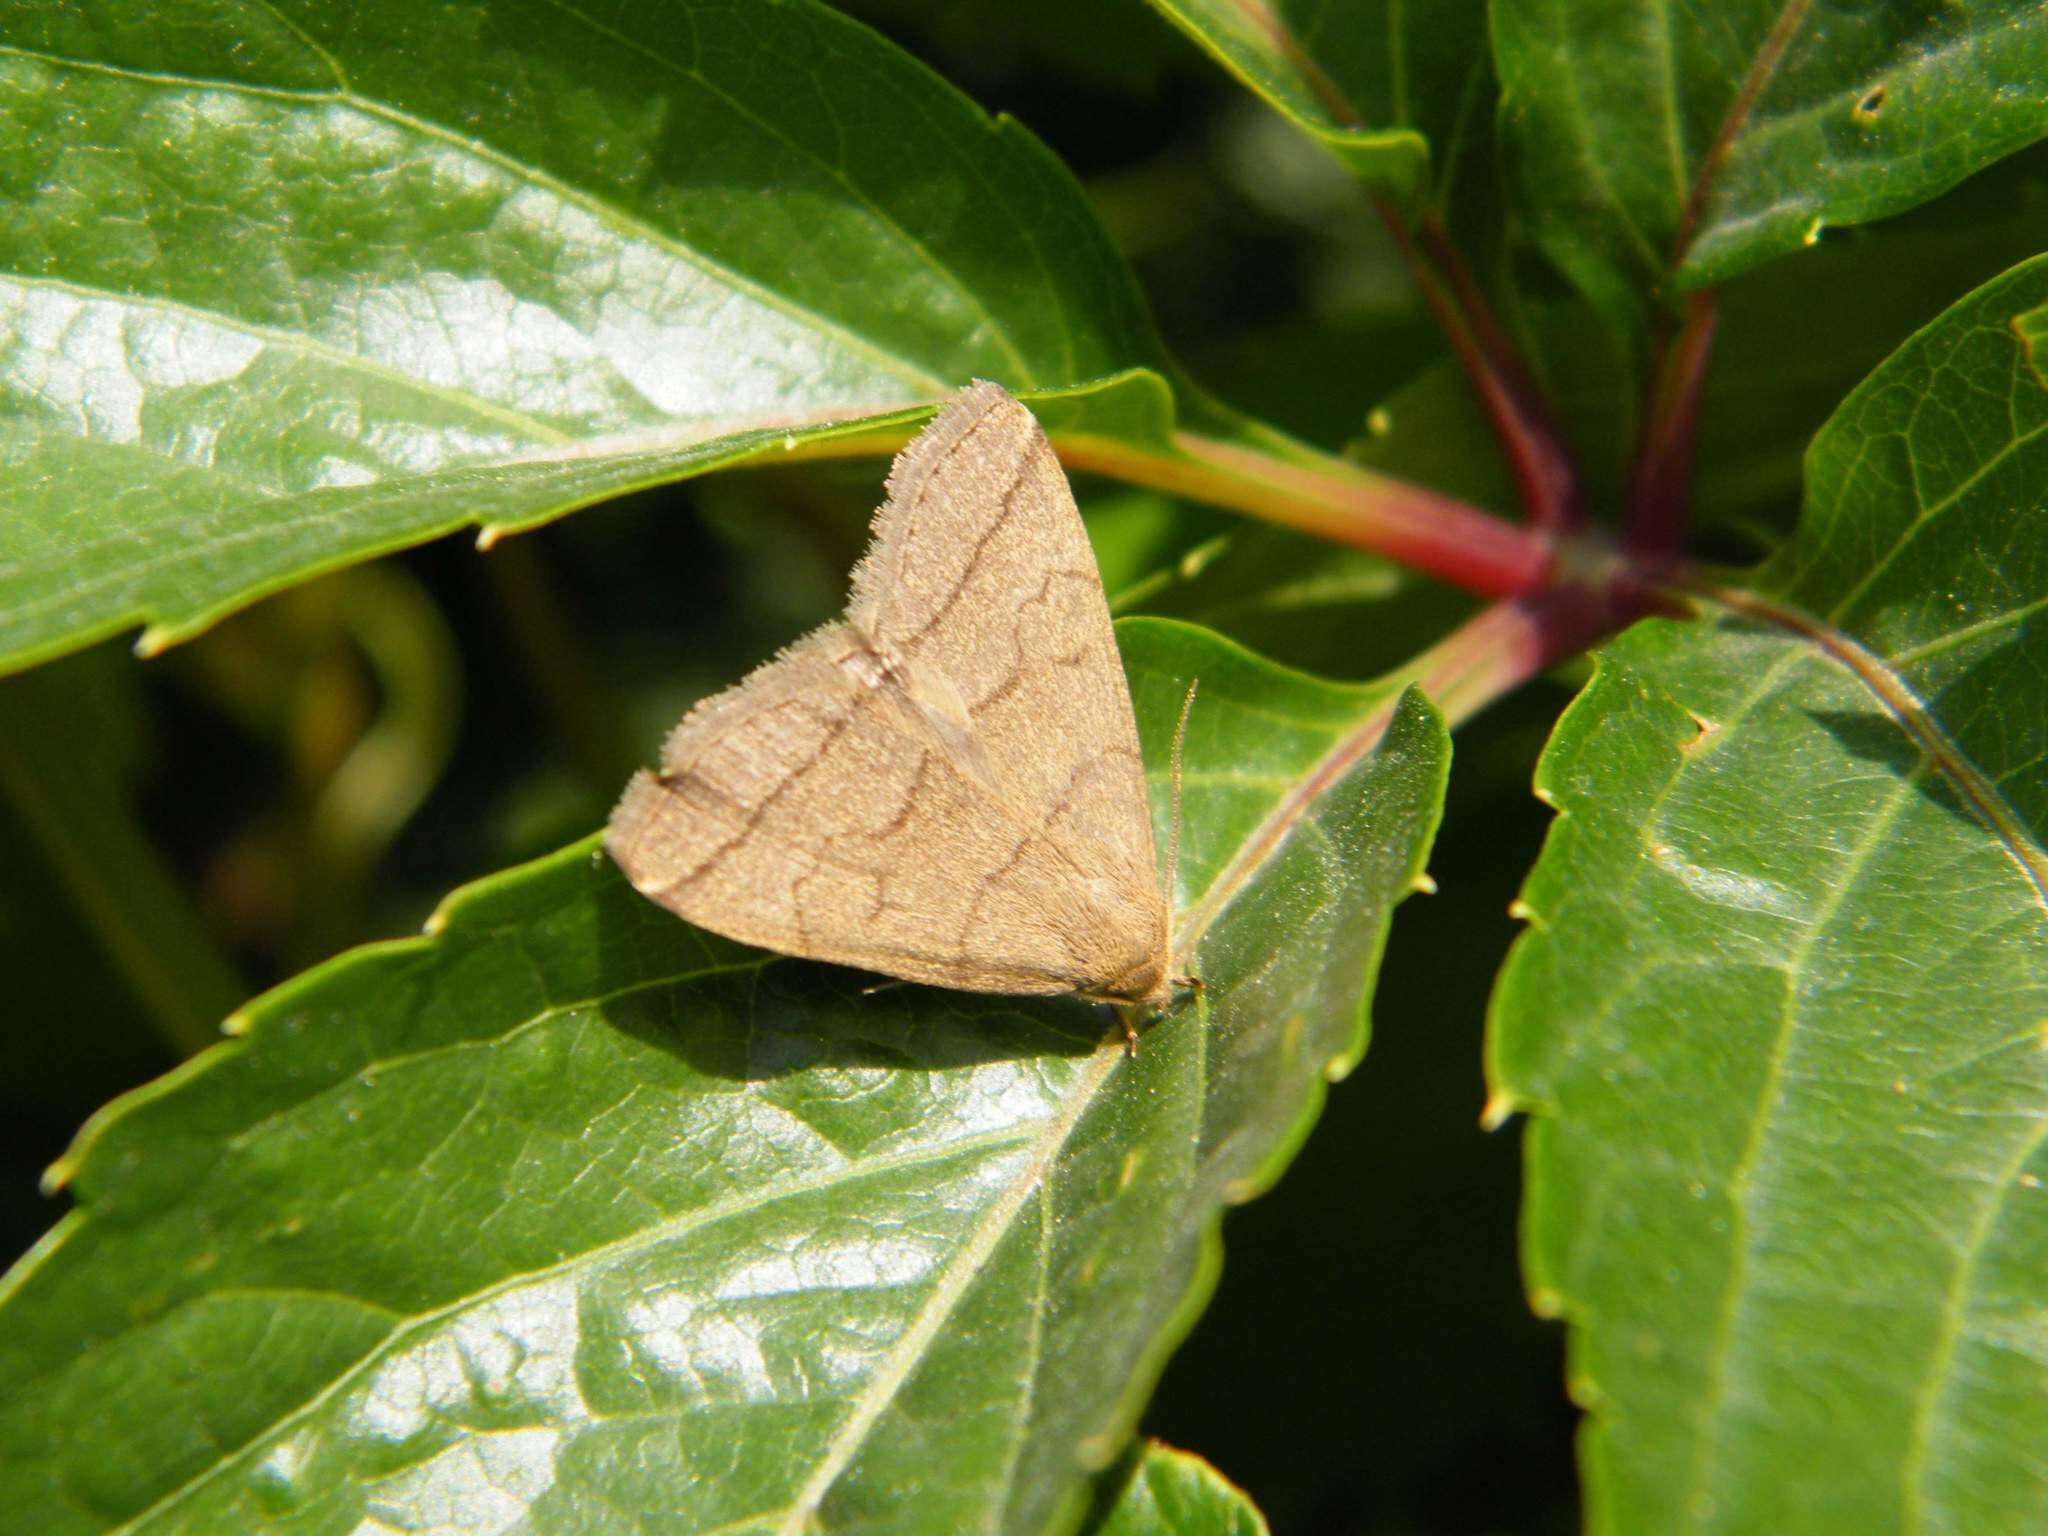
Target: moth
[(945, 784)]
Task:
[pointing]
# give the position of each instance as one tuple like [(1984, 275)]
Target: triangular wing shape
[(947, 786), (807, 812), (981, 574)]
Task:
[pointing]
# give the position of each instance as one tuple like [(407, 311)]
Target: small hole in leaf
[(1867, 108)]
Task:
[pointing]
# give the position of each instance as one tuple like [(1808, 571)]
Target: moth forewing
[(946, 785)]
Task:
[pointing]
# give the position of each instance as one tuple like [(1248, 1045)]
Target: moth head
[(1129, 937), (1148, 984)]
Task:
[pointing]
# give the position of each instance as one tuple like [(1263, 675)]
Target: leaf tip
[(1705, 731), (58, 1175), (1500, 1107), (1579, 1387), (1198, 559), (1098, 1451)]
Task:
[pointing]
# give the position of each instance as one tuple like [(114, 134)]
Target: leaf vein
[(952, 280), (674, 1227), (1929, 513), (953, 1284), (1913, 1464), (1741, 1229), (911, 373)]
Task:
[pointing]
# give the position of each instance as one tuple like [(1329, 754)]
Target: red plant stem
[(1658, 488), (1262, 18), (1658, 505), (1769, 55), (1333, 499), (1503, 646), (1549, 477), (1488, 656), (1407, 523), (1545, 476)]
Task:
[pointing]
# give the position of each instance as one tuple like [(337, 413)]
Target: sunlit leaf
[(1671, 145), (286, 285), (577, 1214), (1386, 87), (1779, 1011), (1171, 1493)]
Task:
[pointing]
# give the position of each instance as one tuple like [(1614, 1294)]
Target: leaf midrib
[(1918, 724), (1741, 1175), (1931, 1381), (647, 1237), (305, 344), (955, 1281), (957, 1277), (960, 1273), (961, 290)]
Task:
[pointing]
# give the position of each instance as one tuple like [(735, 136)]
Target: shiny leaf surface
[(1386, 87), (288, 285), (1672, 145), (1778, 1014), (574, 1215), (1171, 1493)]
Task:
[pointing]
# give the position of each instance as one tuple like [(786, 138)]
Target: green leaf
[(1173, 1493), (1787, 349), (577, 1214), (1664, 145), (1304, 602), (1382, 85), (1779, 1010), (287, 285), (1434, 432)]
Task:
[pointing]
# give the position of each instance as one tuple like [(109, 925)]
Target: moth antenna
[(1180, 733)]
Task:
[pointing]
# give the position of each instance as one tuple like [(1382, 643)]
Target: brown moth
[(945, 785)]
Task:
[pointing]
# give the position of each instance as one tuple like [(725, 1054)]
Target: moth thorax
[(863, 665), (1146, 982)]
